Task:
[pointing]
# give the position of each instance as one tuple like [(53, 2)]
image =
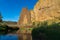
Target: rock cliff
[(47, 9), (43, 10), (25, 17)]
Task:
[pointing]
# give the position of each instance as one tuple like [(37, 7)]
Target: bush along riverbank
[(5, 29), (46, 31)]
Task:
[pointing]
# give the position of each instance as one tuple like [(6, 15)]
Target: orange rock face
[(47, 9), (25, 17), (43, 10)]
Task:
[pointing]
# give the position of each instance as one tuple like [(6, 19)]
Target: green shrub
[(44, 31), (4, 29), (13, 28)]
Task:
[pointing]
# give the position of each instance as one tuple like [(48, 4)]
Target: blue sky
[(10, 9)]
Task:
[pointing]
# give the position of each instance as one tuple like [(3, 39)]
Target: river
[(8, 37)]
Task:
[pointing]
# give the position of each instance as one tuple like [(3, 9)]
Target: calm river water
[(8, 37)]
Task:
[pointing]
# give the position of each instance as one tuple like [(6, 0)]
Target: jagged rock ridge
[(43, 10)]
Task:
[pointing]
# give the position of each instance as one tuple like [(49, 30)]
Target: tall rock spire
[(25, 17)]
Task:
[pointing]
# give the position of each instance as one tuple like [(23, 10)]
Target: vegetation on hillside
[(5, 29)]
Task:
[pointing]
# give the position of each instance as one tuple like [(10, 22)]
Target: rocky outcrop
[(25, 17), (43, 10), (47, 9)]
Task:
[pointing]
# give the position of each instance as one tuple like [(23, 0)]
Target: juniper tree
[(0, 17)]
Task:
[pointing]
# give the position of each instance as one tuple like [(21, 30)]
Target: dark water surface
[(8, 37)]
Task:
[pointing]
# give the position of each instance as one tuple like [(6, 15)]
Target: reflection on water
[(8, 37)]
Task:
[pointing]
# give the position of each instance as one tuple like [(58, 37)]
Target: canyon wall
[(47, 9), (43, 10)]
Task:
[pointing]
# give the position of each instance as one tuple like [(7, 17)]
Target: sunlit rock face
[(47, 9), (25, 17), (32, 16), (43, 10)]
